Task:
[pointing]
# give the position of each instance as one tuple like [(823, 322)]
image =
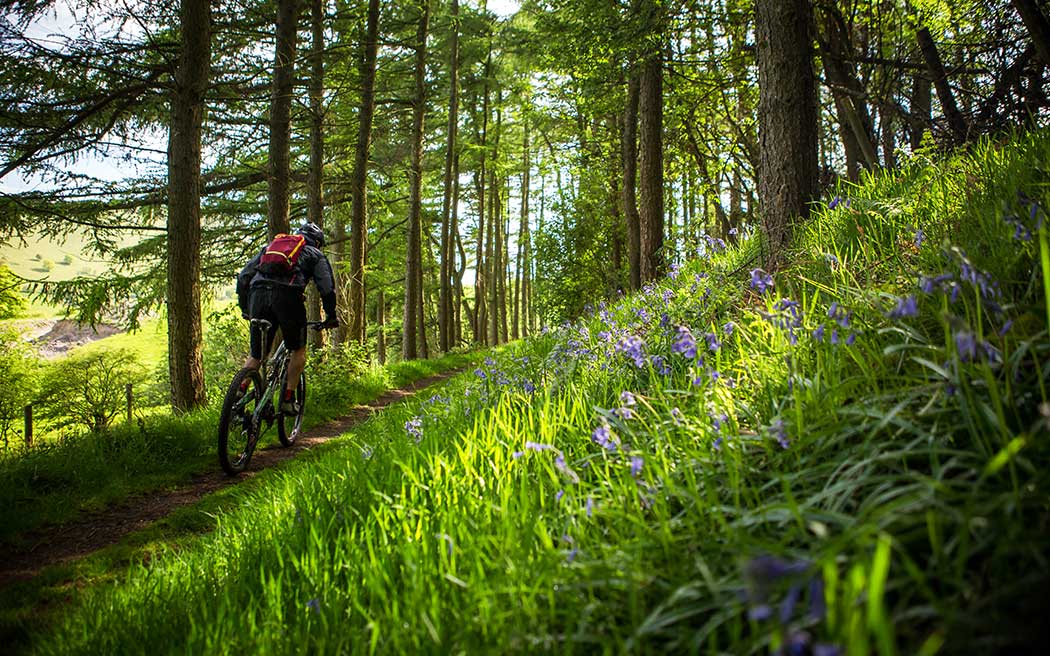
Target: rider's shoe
[(289, 407)]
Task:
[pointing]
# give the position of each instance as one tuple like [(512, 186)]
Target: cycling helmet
[(313, 234)]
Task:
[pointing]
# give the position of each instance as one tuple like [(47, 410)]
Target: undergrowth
[(845, 458)]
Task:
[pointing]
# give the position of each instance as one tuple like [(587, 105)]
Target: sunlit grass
[(704, 467)]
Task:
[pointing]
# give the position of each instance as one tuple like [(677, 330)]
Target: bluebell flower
[(761, 281), (633, 347), (818, 333), (684, 343), (565, 469), (661, 365), (627, 398), (906, 307), (712, 341), (624, 413), (314, 605), (834, 336), (1006, 327), (780, 433), (480, 373), (414, 427), (589, 507), (966, 345), (851, 339), (558, 495), (918, 238), (602, 436), (728, 328), (673, 273), (676, 416), (636, 465)]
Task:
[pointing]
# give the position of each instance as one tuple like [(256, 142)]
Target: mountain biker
[(279, 299)]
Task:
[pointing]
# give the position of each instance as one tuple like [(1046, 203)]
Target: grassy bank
[(846, 458), (57, 480)]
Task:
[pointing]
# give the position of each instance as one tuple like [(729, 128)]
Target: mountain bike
[(251, 408)]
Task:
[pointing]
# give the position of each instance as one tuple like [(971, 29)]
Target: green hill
[(847, 457)]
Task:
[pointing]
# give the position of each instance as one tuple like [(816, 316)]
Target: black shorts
[(283, 307)]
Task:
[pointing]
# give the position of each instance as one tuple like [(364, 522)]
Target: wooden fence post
[(29, 426), (127, 392)]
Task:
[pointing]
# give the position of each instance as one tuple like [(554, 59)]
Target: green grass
[(58, 480), (881, 489)]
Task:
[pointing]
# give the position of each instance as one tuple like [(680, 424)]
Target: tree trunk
[(315, 183), (281, 116), (479, 325), (525, 238), (184, 223), (629, 153), (920, 110), (787, 118), (457, 321), (414, 260), (1038, 27), (445, 311), (956, 122), (381, 326), (651, 167), (504, 259), (359, 177)]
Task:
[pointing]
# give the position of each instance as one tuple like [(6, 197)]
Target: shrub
[(18, 369), (12, 302), (87, 389)]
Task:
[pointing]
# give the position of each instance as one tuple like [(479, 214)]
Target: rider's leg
[(296, 364)]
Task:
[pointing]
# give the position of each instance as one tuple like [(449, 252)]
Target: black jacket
[(312, 265)]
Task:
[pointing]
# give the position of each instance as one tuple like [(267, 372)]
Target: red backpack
[(281, 256)]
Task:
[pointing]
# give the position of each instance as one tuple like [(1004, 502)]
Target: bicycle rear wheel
[(289, 426), (238, 431)]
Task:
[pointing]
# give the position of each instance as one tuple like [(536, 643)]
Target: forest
[(731, 317)]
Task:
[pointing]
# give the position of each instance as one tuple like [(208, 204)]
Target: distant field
[(43, 258)]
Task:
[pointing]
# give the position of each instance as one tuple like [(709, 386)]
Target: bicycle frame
[(272, 371)]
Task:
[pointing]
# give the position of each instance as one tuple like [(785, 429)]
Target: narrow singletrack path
[(53, 545)]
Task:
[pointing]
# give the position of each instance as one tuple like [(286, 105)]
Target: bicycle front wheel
[(238, 431), (289, 426)]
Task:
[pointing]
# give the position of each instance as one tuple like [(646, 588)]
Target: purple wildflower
[(834, 336), (633, 347), (558, 495), (414, 427), (818, 333), (602, 436), (564, 468), (918, 238), (673, 273), (627, 398), (729, 328), (624, 413), (314, 605), (589, 507), (1006, 327), (684, 344), (661, 365), (712, 341), (676, 416), (761, 281), (636, 465), (480, 373), (906, 307), (966, 345), (852, 338), (780, 433)]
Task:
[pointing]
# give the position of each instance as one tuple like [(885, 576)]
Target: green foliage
[(12, 303), (18, 371), (87, 389), (826, 469), (226, 343)]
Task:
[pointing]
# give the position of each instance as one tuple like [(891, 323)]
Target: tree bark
[(381, 326), (457, 321), (315, 182), (956, 122), (445, 308), (1038, 27), (921, 108), (629, 154), (524, 238), (651, 167), (185, 366), (413, 324), (359, 177), (787, 115), (281, 116), (479, 324)]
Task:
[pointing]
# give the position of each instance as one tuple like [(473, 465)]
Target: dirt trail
[(52, 545)]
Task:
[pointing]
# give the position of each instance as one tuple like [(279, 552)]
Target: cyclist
[(280, 299)]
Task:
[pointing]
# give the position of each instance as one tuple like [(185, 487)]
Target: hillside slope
[(848, 457)]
